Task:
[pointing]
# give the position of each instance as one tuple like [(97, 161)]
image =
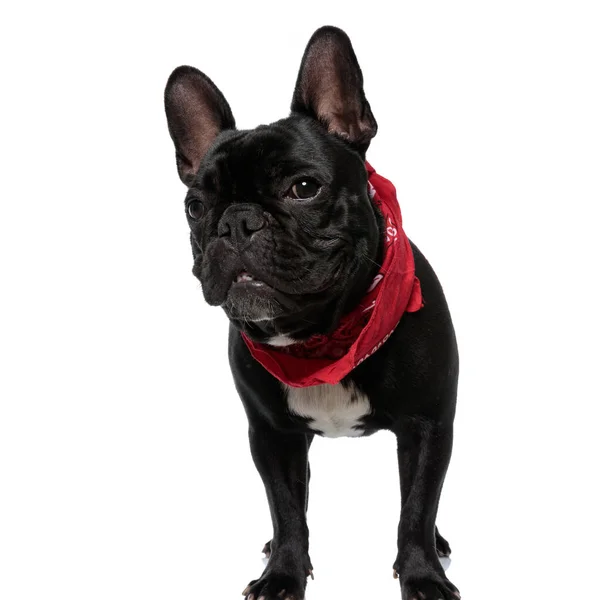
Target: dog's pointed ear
[(330, 88), (197, 113)]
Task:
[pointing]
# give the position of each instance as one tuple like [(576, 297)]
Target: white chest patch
[(335, 410)]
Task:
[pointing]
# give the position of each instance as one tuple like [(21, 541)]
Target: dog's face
[(283, 232)]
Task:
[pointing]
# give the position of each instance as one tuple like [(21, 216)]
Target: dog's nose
[(241, 221)]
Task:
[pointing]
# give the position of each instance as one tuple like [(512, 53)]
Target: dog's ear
[(330, 88), (196, 113)]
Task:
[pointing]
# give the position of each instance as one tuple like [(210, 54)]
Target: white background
[(125, 471)]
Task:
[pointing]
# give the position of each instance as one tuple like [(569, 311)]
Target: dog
[(338, 324)]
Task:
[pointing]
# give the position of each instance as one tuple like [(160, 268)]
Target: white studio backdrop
[(125, 471)]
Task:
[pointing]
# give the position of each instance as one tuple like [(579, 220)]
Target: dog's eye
[(304, 189), (195, 209)]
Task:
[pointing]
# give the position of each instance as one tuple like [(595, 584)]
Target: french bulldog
[(287, 238)]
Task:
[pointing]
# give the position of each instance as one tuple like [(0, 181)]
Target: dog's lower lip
[(252, 282), (245, 278)]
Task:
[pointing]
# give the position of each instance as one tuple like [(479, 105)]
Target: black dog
[(287, 240)]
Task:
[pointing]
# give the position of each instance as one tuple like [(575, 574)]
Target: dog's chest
[(333, 410)]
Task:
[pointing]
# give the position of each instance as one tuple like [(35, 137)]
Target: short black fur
[(283, 266)]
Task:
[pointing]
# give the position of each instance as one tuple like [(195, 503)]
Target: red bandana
[(394, 291)]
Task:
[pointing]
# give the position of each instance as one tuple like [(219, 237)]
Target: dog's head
[(284, 235)]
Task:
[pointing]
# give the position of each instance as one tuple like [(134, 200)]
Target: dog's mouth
[(250, 299), (252, 293), (246, 278)]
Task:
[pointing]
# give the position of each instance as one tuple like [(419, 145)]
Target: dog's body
[(286, 240)]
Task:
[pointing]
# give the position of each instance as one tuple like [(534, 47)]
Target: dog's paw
[(275, 586), (436, 588), (442, 547)]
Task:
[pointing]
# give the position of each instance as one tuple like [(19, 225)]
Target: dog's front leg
[(424, 448), (282, 461)]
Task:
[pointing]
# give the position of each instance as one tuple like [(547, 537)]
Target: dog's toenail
[(395, 574)]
